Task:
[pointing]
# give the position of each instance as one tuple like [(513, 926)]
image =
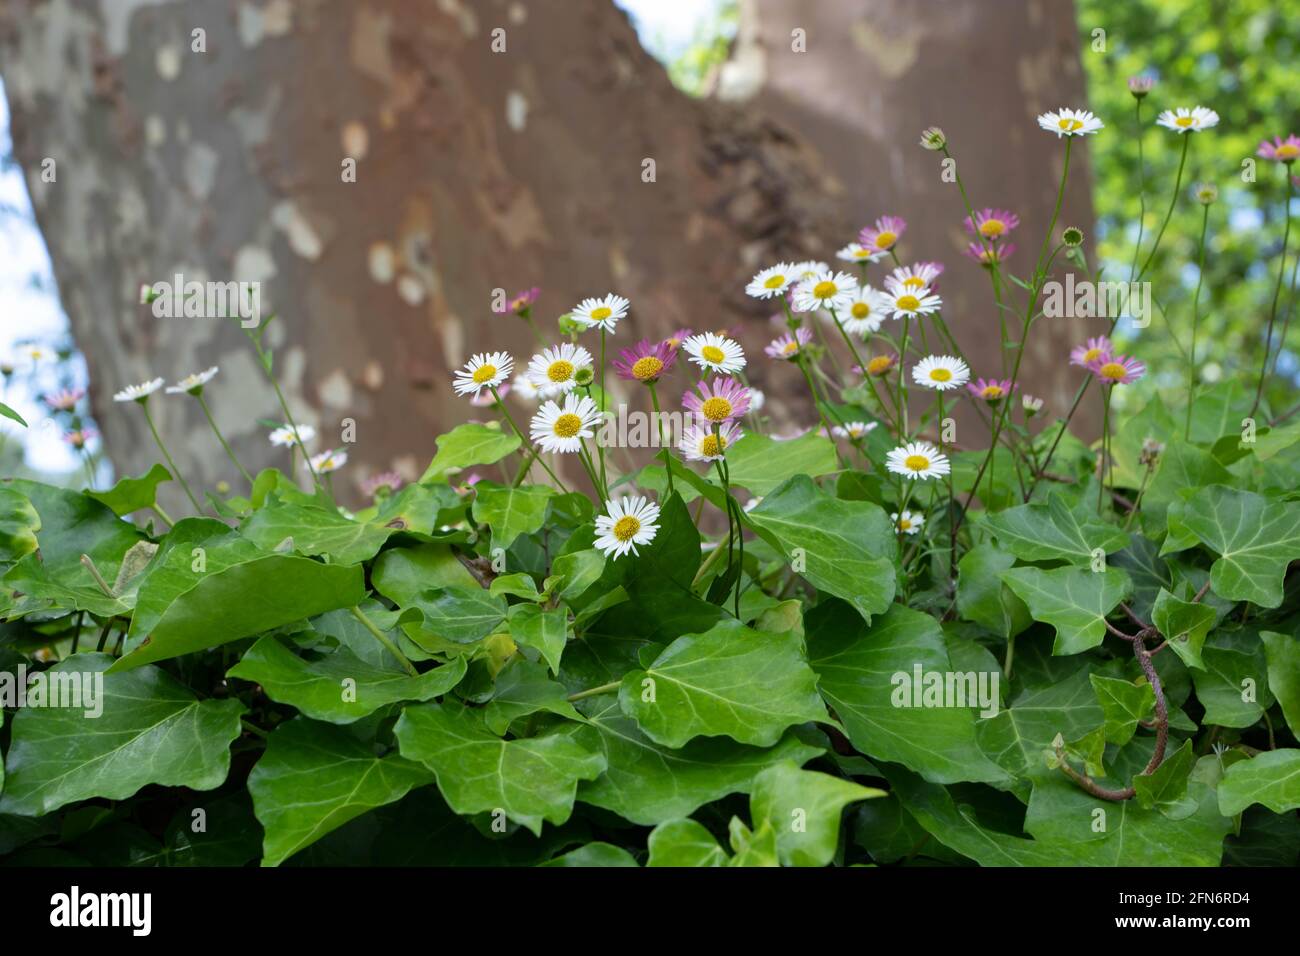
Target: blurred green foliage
[(1238, 57), (708, 50)]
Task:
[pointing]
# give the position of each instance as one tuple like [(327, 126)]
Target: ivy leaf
[(804, 808), (752, 847), (1124, 704), (400, 574), (315, 531), (1271, 778), (544, 630), (31, 577), (461, 615), (73, 524), (315, 777), (466, 445), (1255, 538), (1018, 736), (982, 597), (865, 669), (1184, 625), (1233, 688), (1075, 601), (1283, 656), (648, 783), (844, 548), (1054, 532), (510, 511), (19, 523), (530, 780), (684, 843), (255, 595), (594, 854), (339, 687), (151, 730), (729, 681), (133, 494), (761, 464), (522, 688), (1166, 787)]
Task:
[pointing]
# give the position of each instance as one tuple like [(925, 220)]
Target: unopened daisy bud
[(7, 368), (1206, 193), (1072, 236), (584, 376), (147, 294), (933, 138), (569, 325), (1031, 405), (1151, 451), (1140, 86)]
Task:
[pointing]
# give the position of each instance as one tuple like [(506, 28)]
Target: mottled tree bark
[(478, 169)]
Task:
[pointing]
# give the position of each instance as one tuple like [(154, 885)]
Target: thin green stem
[(659, 427), (1173, 201), (596, 691), (163, 448), (527, 444), (1277, 291), (1142, 190), (382, 638), (230, 452), (1196, 318)]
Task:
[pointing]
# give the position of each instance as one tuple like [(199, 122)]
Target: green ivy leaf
[(1054, 532), (1271, 778), (544, 630), (1184, 625), (983, 598), (1255, 538), (1283, 656), (466, 445), (594, 854), (461, 615), (315, 777), (510, 511), (151, 730), (729, 681), (684, 843), (339, 687), (761, 464), (1165, 788), (522, 688), (863, 669), (530, 780), (1124, 704), (844, 548), (1075, 601), (314, 531), (1019, 736), (19, 523), (804, 808), (1233, 688), (133, 494)]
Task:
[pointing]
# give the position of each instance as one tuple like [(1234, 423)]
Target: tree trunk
[(480, 169)]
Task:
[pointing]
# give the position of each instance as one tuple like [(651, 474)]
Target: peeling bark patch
[(254, 264), (410, 289), (516, 111), (117, 15), (383, 262), (201, 162), (257, 23), (335, 389), (167, 60), (355, 140), (302, 236), (893, 53)]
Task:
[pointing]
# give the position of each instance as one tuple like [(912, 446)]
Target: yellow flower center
[(1091, 355), (824, 289), (647, 368), (992, 392), (861, 253), (908, 303), (879, 365), (860, 310), (1113, 371), (484, 373), (716, 409), (886, 239), (916, 463), (601, 314), (1070, 125), (992, 228), (712, 445), (913, 282), (711, 353), (790, 348), (940, 375), (560, 371), (1287, 151), (1184, 121), (904, 524), (626, 527), (774, 282), (567, 425)]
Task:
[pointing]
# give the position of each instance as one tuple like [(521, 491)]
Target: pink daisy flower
[(992, 224), (884, 234), (675, 340), (384, 479), (1117, 369), (790, 345), (523, 301), (645, 362), (919, 275), (1283, 150), (1094, 349), (721, 400), (990, 255), (65, 400), (79, 438), (991, 390)]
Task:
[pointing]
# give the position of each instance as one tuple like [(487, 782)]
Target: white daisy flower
[(37, 354), (604, 312), (192, 383), (857, 252), (853, 430), (521, 386), (865, 312), (138, 393), (756, 400), (328, 461), (715, 352), (919, 275), (825, 290), (1184, 120), (629, 521), (807, 269), (773, 280), (702, 444), (282, 437), (561, 428), (555, 371), (1068, 122), (918, 459), (907, 522), (484, 370), (941, 372), (904, 301)]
